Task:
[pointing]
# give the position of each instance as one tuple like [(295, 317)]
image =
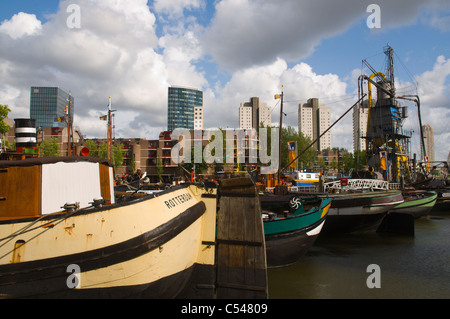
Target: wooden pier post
[(240, 244)]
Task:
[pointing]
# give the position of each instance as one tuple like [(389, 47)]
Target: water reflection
[(336, 266)]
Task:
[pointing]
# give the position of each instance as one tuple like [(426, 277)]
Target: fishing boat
[(355, 212), (418, 203), (291, 225), (64, 235)]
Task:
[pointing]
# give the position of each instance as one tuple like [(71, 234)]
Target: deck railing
[(349, 184), (356, 184)]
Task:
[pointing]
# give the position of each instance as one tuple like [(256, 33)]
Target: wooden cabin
[(40, 186)]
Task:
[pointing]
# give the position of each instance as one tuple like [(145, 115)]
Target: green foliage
[(50, 147), (290, 134), (101, 151), (93, 148), (118, 155), (4, 111), (199, 167)]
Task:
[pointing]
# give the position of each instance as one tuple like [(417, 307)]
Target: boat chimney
[(26, 141)]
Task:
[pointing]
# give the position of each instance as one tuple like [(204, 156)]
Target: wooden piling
[(241, 254)]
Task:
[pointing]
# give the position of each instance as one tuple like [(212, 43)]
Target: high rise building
[(428, 137), (360, 117), (49, 103), (265, 115), (313, 120), (254, 113), (198, 118), (182, 102)]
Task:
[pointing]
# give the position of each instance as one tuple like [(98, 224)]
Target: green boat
[(291, 225), (418, 203)]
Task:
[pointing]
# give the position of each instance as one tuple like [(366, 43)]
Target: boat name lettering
[(177, 200)]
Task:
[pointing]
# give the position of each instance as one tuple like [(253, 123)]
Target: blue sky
[(40, 8), (232, 49)]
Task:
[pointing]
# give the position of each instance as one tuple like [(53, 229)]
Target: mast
[(69, 125), (280, 96), (109, 137), (390, 68)]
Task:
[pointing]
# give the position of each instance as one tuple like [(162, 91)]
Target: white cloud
[(118, 52), (433, 86), (434, 92), (115, 52), (20, 25), (256, 32)]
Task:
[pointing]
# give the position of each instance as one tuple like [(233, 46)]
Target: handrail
[(357, 184)]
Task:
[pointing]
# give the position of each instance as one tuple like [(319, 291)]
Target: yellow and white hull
[(154, 246)]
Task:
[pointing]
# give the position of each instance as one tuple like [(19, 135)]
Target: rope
[(24, 229)]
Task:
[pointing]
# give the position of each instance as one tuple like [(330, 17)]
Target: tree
[(290, 134), (348, 161), (93, 148), (50, 147), (101, 151), (334, 164), (117, 155), (4, 111), (199, 167)]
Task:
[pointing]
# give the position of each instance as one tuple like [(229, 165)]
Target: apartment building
[(313, 120), (254, 113)]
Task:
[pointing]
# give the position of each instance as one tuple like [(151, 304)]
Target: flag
[(104, 117), (383, 160), (292, 148), (60, 119)]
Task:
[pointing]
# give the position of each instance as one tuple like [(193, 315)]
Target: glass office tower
[(181, 104), (47, 104)]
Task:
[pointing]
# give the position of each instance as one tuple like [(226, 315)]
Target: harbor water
[(338, 266)]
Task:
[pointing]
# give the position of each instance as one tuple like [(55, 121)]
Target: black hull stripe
[(103, 257)]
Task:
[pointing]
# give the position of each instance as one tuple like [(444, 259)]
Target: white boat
[(304, 178), (63, 235)]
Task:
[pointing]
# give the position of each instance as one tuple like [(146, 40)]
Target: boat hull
[(287, 248), (289, 239), (419, 205), (154, 247), (359, 211)]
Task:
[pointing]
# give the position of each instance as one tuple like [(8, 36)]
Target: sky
[(232, 50)]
